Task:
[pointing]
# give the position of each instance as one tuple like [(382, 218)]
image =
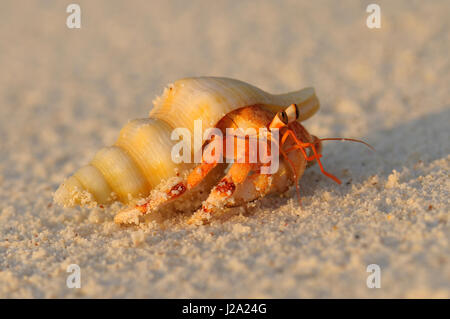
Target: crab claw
[(130, 215)]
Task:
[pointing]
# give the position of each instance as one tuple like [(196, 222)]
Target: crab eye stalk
[(292, 113), (283, 117), (280, 120)]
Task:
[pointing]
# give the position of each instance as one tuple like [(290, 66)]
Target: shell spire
[(141, 157)]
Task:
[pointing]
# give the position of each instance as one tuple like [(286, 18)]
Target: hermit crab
[(144, 170)]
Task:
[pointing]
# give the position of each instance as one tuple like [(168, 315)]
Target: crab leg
[(316, 151), (239, 186), (253, 187), (222, 194)]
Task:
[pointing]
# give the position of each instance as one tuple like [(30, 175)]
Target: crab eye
[(280, 120), (283, 117), (292, 112)]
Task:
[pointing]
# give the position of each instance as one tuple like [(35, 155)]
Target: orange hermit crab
[(143, 169)]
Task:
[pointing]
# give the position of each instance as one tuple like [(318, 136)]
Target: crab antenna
[(347, 139)]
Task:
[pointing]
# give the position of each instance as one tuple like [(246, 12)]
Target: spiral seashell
[(141, 157)]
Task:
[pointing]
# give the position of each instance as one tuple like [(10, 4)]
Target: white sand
[(66, 93)]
